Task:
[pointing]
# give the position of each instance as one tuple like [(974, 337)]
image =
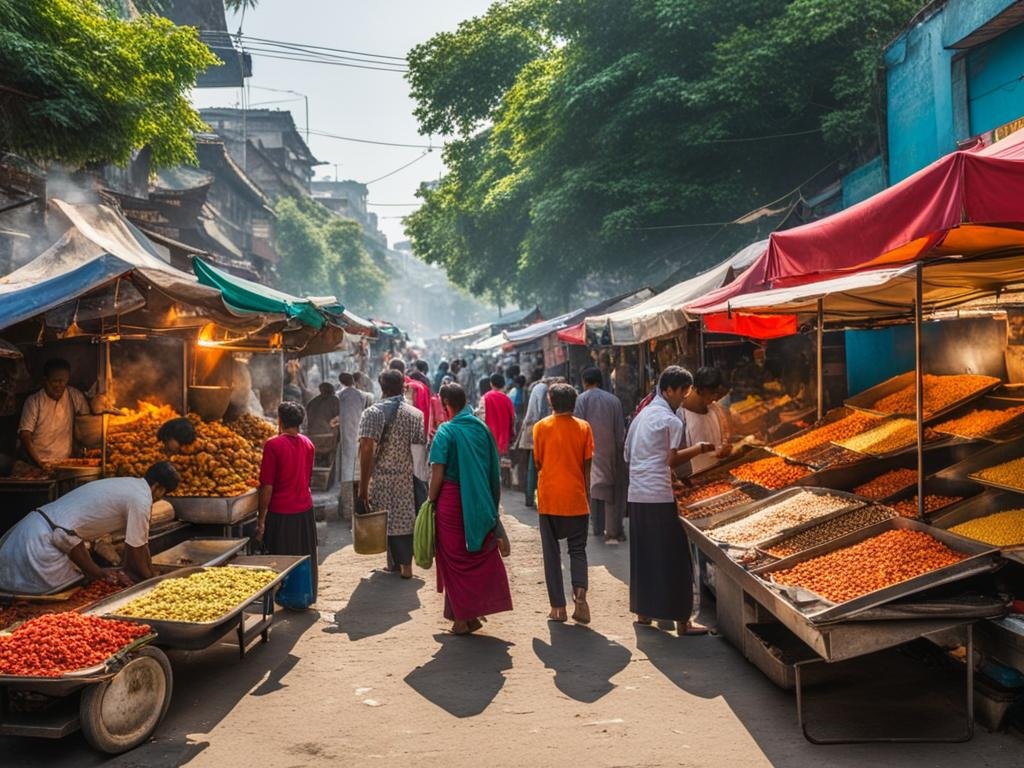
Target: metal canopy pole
[(820, 354), (919, 386)]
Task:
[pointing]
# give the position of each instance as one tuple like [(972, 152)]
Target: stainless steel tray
[(832, 416), (1011, 430), (189, 635), (202, 551), (720, 471), (708, 524), (941, 486), (987, 503), (755, 492), (981, 558), (215, 510), (764, 546), (864, 401)]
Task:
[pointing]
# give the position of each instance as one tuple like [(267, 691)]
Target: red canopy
[(752, 326), (966, 203), (574, 334)]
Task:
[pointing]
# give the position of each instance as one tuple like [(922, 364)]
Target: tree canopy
[(80, 84), (593, 140), (323, 253)]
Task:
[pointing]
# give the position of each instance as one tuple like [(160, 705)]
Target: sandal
[(642, 621), (692, 629)]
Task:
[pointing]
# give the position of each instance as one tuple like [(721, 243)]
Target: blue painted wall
[(925, 116), (863, 182)]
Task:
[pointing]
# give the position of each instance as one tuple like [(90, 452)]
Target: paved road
[(373, 679)]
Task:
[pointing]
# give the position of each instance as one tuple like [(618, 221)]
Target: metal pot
[(210, 403), (89, 431)]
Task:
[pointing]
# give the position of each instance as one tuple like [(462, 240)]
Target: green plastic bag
[(423, 536)]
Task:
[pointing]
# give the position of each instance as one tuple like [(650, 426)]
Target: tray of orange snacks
[(873, 566), (996, 419), (808, 446), (942, 394), (772, 473)]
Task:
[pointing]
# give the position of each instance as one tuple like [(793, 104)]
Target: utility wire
[(269, 55), (324, 58), (397, 170), (326, 135), (395, 205), (319, 47), (760, 138)]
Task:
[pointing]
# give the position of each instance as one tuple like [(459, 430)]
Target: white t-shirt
[(33, 557), (52, 422), (655, 432), (702, 428)]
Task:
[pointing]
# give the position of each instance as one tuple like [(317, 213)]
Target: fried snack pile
[(723, 503), (777, 517), (939, 392), (199, 597), (24, 609), (1010, 473), (932, 503), (842, 429), (686, 495), (1002, 529), (254, 429), (771, 473), (888, 437), (980, 422), (219, 463), (58, 643), (827, 530), (887, 484), (881, 561)]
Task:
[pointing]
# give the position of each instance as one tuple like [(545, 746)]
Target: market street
[(375, 680)]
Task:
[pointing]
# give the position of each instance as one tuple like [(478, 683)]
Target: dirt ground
[(372, 678)]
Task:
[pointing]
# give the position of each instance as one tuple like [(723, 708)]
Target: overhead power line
[(761, 138), (395, 205), (398, 169), (283, 43), (326, 135)]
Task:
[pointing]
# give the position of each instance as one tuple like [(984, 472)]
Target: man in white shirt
[(46, 549), (660, 573), (47, 421)]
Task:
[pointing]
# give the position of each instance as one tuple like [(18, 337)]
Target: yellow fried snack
[(1010, 474), (1002, 529), (979, 422), (200, 597)]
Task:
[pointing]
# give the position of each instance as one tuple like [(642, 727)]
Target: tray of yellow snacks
[(942, 394), (993, 517), (995, 419), (891, 437)]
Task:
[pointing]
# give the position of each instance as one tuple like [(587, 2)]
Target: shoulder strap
[(389, 419)]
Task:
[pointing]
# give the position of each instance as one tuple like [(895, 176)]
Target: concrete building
[(348, 198)]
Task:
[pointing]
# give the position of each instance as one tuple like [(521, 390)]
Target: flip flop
[(639, 622), (694, 630)]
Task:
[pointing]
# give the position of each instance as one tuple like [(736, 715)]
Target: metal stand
[(251, 625), (965, 736), (820, 345)]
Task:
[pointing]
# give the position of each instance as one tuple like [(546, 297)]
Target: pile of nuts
[(879, 562), (1010, 473), (888, 437), (723, 503), (842, 429), (200, 597), (827, 530), (940, 392), (887, 484), (686, 495), (1001, 529), (774, 518), (932, 503), (980, 422), (771, 473)]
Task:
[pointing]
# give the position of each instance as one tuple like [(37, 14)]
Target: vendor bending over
[(46, 549), (176, 433)]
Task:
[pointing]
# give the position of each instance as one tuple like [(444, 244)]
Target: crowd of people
[(457, 438)]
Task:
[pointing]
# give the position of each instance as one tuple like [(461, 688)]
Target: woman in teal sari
[(465, 486)]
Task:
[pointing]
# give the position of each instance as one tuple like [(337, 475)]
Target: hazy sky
[(351, 102)]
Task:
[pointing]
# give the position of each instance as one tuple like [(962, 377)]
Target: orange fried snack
[(939, 392), (932, 503), (841, 429), (979, 422), (886, 484), (771, 473)]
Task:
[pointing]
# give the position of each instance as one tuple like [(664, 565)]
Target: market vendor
[(704, 419), (47, 548), (47, 425), (176, 433)]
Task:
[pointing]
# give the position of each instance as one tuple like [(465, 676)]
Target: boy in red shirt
[(563, 447), (499, 414)]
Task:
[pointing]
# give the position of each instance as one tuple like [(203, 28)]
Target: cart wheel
[(122, 712)]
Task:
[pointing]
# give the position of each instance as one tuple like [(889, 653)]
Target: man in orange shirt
[(563, 447)]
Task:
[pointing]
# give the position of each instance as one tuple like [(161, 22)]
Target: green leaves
[(84, 86), (587, 124)]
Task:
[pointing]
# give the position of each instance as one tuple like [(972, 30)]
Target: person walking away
[(603, 412), (537, 408), (465, 486), (704, 420), (660, 570), (499, 413), (563, 447), (351, 403), (439, 374), (417, 393), (286, 525), (387, 432), (421, 372)]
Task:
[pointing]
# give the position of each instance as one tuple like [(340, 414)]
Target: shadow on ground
[(380, 602), (584, 661), (464, 675)]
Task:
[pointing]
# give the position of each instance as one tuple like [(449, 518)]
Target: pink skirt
[(474, 583)]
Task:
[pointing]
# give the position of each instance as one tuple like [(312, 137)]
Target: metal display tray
[(755, 492), (850, 476), (808, 456), (940, 441), (987, 456), (200, 551), (708, 524), (981, 558), (1011, 430), (764, 546), (215, 510), (720, 472), (864, 401), (987, 503), (940, 486), (189, 635)]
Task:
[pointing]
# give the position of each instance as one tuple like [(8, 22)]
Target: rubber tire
[(90, 710)]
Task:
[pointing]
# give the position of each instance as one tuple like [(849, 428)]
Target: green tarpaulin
[(246, 295)]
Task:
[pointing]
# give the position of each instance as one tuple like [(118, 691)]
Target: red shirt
[(500, 416), (288, 466), (420, 399)]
